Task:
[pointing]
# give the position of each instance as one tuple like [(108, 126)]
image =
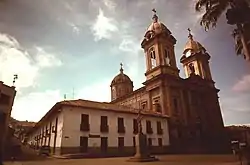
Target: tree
[(237, 13)]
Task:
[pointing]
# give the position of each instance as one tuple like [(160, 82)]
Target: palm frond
[(213, 10)]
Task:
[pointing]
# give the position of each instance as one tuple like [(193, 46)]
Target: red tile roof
[(107, 107), (94, 105)]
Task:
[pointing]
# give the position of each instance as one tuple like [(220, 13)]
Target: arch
[(152, 57), (191, 68), (167, 57)]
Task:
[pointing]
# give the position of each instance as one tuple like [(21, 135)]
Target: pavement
[(164, 160)]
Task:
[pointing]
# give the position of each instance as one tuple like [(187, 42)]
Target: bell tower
[(195, 59), (158, 45)]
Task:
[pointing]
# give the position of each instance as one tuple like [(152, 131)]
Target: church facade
[(184, 112), (196, 123)]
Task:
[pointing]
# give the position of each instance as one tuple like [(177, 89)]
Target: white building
[(81, 126)]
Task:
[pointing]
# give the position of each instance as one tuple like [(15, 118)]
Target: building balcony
[(159, 131), (84, 127), (104, 128), (149, 130), (121, 129)]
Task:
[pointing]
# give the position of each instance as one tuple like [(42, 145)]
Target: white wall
[(31, 138), (72, 120)]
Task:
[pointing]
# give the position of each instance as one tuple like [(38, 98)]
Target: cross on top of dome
[(155, 17), (189, 34), (121, 70)]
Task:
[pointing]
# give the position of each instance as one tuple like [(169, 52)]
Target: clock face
[(188, 53)]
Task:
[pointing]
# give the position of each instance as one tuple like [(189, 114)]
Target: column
[(163, 100), (168, 105), (150, 101), (50, 132)]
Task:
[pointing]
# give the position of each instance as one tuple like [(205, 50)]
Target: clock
[(188, 53)]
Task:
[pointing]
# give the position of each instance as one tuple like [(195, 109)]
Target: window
[(167, 57), (121, 128), (152, 57), (135, 125), (149, 129), (104, 124), (191, 68), (157, 106), (85, 122), (159, 129), (120, 143), (83, 144), (144, 105), (160, 141), (104, 144)]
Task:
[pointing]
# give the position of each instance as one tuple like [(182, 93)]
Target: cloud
[(235, 108), (111, 5), (129, 44), (35, 105), (97, 91), (243, 85), (103, 27), (16, 60), (236, 102), (46, 59)]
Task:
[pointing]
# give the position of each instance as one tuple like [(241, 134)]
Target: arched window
[(152, 57), (167, 57), (191, 68), (113, 93)]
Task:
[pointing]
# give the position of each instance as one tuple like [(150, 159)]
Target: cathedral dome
[(121, 85), (121, 78), (193, 46), (156, 27)]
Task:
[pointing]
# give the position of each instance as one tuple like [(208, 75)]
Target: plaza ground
[(164, 160)]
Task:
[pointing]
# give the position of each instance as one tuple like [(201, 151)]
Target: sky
[(75, 47)]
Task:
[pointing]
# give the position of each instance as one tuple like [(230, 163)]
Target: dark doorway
[(104, 144), (149, 143), (120, 143), (83, 144)]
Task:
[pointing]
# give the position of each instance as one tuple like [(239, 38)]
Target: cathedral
[(180, 115), (191, 103)]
